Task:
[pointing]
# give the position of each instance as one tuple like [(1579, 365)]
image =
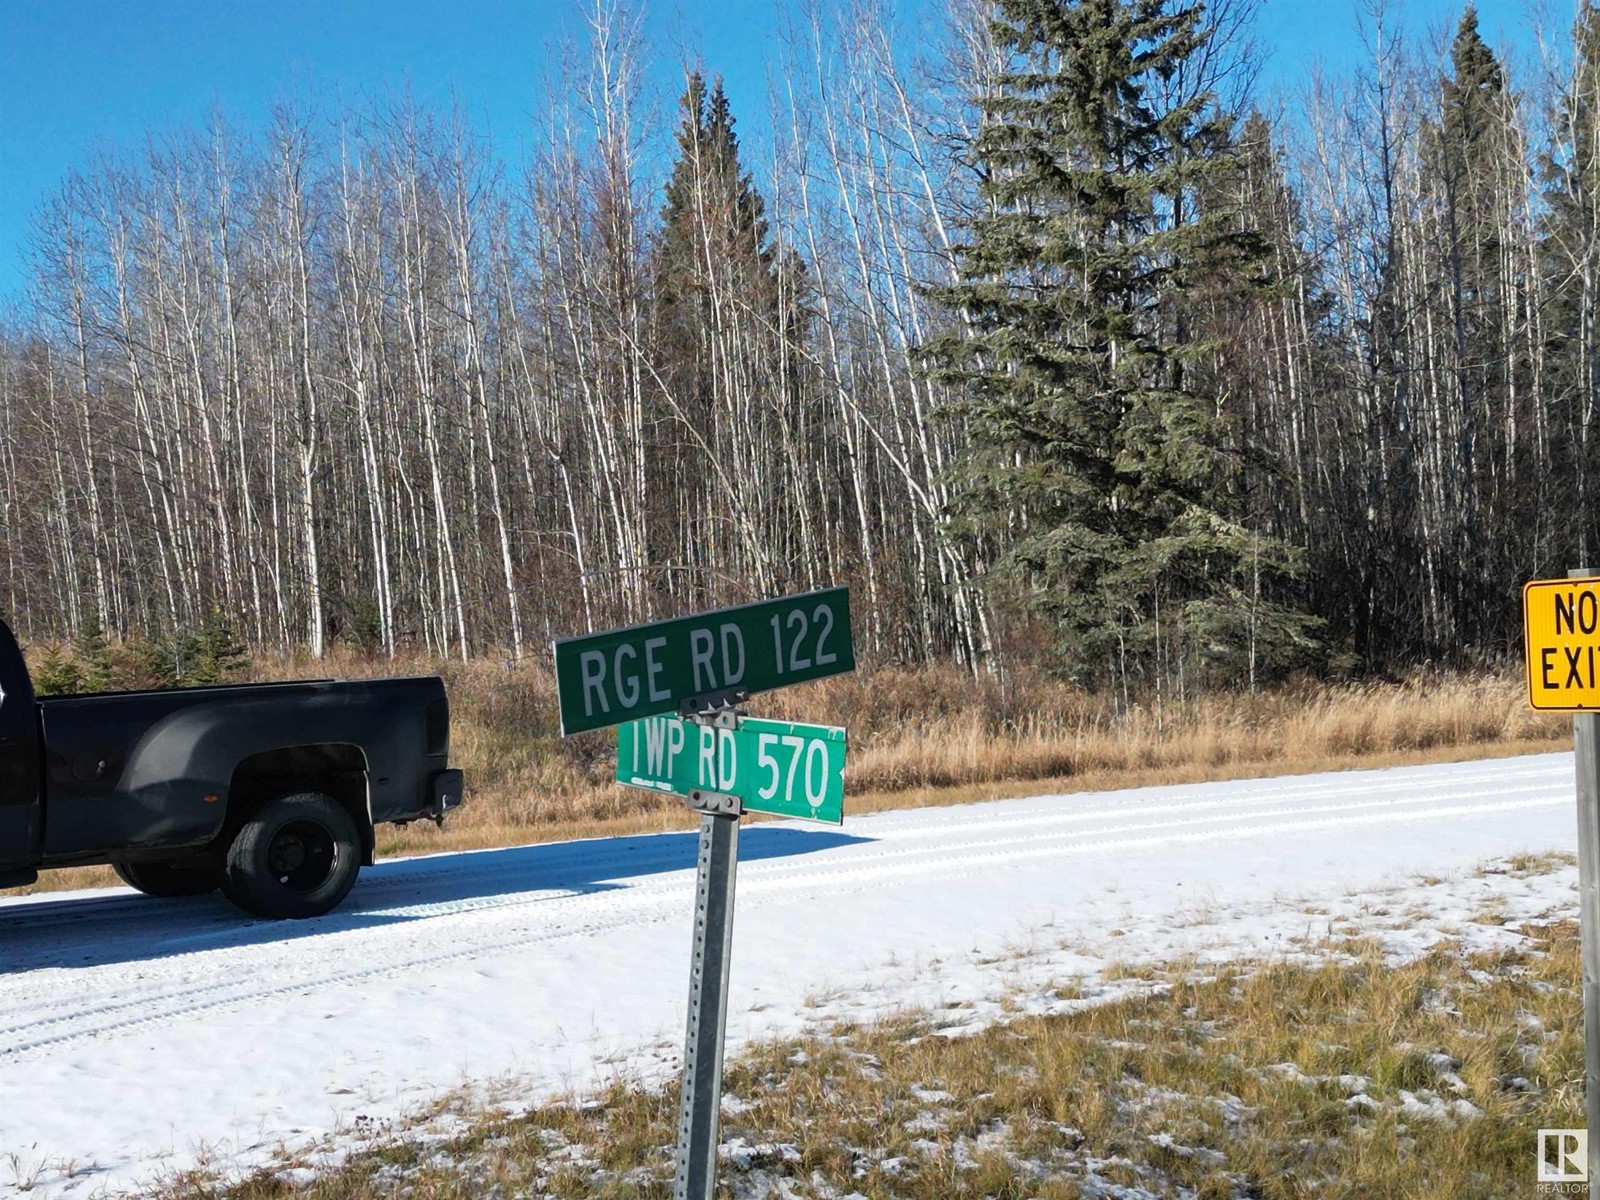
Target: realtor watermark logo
[(1563, 1162)]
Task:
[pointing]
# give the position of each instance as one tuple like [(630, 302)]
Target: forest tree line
[(1033, 324)]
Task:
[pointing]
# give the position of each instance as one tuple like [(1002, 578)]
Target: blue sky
[(80, 75)]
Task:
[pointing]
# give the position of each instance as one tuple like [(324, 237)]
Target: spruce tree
[(94, 656), (1464, 169), (1572, 257), (58, 674), (712, 216), (726, 326), (1102, 453), (713, 238), (218, 654)]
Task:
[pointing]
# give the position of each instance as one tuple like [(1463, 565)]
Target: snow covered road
[(140, 1036)]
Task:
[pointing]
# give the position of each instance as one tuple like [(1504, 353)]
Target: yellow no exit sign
[(1561, 631)]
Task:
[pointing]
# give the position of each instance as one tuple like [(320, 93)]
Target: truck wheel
[(168, 879), (297, 856)]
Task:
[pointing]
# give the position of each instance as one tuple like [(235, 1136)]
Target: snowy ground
[(139, 1037)]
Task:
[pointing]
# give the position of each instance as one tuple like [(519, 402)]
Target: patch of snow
[(1430, 1106), (1204, 1154), (529, 974), (1291, 1072), (744, 1154)]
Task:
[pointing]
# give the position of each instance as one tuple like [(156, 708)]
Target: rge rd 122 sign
[(623, 674), (1561, 634)]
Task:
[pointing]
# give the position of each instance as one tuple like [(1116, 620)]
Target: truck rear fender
[(337, 768), (185, 769)]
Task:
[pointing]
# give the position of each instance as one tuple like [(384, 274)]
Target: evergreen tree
[(726, 324), (94, 658), (1572, 256), (218, 655), (1474, 105), (152, 663), (58, 674), (713, 217), (1465, 157), (1101, 451)]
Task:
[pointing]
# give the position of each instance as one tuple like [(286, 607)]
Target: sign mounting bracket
[(716, 803), (721, 709)]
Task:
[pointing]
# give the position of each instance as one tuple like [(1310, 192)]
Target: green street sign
[(772, 766), (624, 674)]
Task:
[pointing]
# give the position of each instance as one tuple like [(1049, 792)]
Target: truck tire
[(168, 879), (297, 856)]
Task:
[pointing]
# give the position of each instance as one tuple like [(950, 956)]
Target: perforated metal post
[(1586, 743), (1586, 747), (701, 1102)]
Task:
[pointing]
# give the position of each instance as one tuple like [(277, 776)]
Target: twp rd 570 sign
[(1561, 630), (773, 767), (623, 674)]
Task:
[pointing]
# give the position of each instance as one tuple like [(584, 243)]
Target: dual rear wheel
[(296, 856)]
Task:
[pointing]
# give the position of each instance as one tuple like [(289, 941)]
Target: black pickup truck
[(267, 791)]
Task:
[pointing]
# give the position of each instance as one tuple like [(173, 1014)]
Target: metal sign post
[(1561, 639), (1586, 754), (724, 763), (1586, 744), (700, 1100)]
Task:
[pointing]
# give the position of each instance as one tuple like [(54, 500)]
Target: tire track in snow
[(855, 860), (887, 862), (903, 846), (36, 914)]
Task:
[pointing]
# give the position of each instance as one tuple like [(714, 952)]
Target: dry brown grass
[(1293, 730), (935, 736)]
